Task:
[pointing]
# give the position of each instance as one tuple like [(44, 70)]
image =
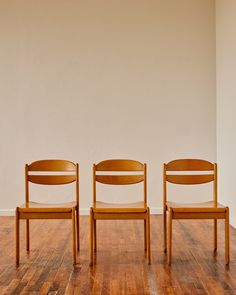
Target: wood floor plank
[(121, 266)]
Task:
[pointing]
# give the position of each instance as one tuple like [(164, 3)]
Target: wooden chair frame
[(208, 210), (108, 211), (32, 210)]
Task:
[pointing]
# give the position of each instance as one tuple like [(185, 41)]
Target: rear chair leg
[(91, 236), (169, 253)]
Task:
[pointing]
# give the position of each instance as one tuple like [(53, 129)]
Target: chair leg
[(27, 235), (169, 252), (164, 231), (145, 235), (91, 235), (95, 234), (77, 227), (227, 247), (215, 235), (148, 236), (17, 237), (73, 236)]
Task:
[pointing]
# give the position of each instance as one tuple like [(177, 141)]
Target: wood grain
[(119, 179), (119, 165), (121, 267), (189, 165), (119, 207), (51, 179), (190, 179), (52, 165)]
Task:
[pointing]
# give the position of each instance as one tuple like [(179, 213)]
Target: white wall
[(226, 101), (90, 80)]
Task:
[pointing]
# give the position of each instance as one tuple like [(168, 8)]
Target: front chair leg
[(164, 230), (91, 235), (95, 234), (227, 247), (169, 252), (17, 237), (73, 236), (215, 235), (27, 235)]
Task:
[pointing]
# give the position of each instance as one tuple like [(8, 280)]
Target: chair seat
[(196, 207), (116, 207), (45, 207)]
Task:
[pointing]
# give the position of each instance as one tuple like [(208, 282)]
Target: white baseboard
[(83, 211), (156, 210), (7, 212)]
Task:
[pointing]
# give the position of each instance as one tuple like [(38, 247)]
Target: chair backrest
[(119, 165), (57, 166), (208, 173)]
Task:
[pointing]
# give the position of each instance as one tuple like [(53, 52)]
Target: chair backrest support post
[(94, 184), (26, 184)]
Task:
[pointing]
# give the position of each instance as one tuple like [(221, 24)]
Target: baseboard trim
[(83, 211), (7, 212)]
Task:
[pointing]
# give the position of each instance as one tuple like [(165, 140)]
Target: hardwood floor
[(121, 267)]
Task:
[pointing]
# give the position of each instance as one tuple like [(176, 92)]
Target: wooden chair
[(33, 210), (109, 211), (206, 210)]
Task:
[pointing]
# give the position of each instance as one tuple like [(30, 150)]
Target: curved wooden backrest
[(51, 166), (119, 179), (51, 179), (120, 165), (190, 165), (190, 179)]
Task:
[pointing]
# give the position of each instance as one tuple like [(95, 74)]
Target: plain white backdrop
[(93, 80), (226, 101)]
